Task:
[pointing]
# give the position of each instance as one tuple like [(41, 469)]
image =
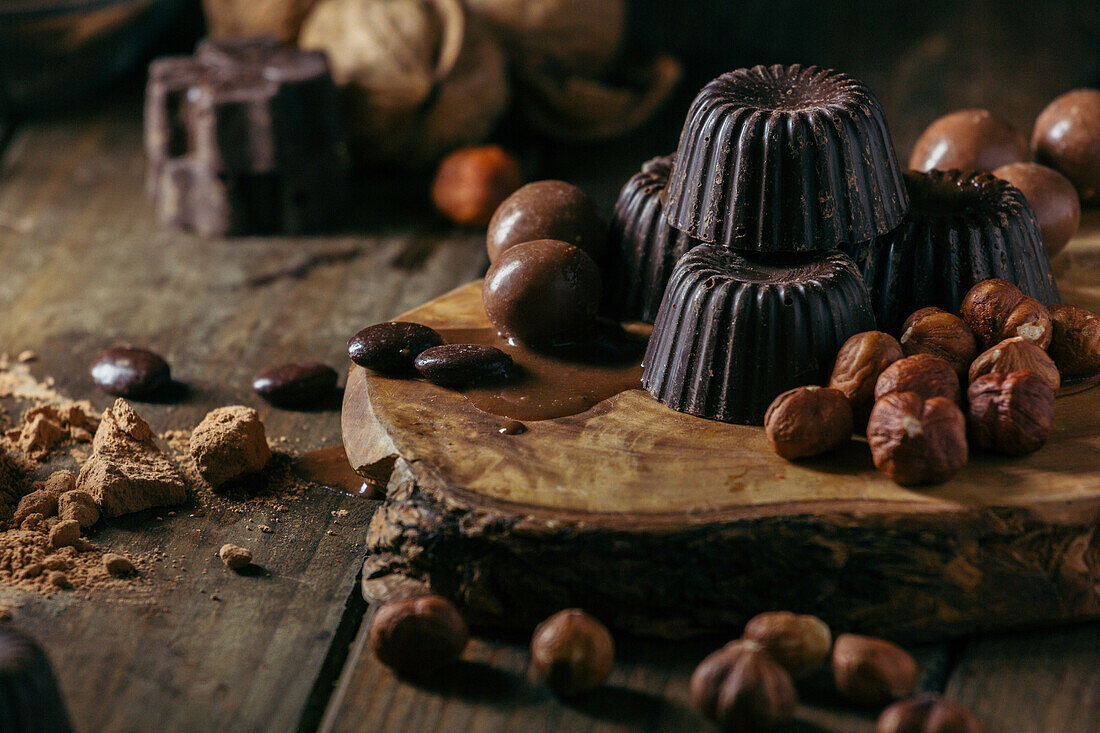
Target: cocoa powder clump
[(228, 443)]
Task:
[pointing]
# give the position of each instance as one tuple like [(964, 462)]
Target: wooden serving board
[(667, 524)]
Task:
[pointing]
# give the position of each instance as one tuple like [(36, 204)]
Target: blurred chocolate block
[(244, 137), (785, 159), (29, 697)]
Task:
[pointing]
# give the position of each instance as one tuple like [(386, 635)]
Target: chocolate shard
[(648, 247), (962, 228), (785, 158), (244, 137), (737, 329), (29, 696)]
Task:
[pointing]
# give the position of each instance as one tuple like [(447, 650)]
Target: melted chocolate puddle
[(565, 381), (330, 467)]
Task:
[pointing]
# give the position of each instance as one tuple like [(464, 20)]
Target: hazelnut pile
[(750, 683), (985, 377)]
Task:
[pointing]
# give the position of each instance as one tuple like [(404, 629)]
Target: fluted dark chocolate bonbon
[(962, 228), (735, 330), (647, 247), (777, 158)]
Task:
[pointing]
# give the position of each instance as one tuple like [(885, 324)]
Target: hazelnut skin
[(1075, 345), (926, 374), (869, 671), (1010, 413), (936, 332), (1013, 355), (742, 688), (417, 636), (859, 363), (808, 421), (799, 642), (996, 310), (572, 652), (917, 441), (472, 182), (927, 714)]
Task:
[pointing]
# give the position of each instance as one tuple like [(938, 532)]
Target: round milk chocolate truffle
[(1053, 198), (542, 292), (548, 210), (1067, 138), (969, 140)]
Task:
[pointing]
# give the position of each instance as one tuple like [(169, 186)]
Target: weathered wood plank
[(83, 265)]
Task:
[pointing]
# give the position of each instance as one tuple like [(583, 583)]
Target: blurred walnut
[(926, 374), (1013, 355), (420, 78), (917, 441), (936, 332), (1011, 413), (1075, 346), (996, 310), (234, 18), (859, 363)]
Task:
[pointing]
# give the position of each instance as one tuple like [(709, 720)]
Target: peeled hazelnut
[(927, 714), (926, 374), (870, 671), (471, 183), (799, 642), (742, 688), (996, 310), (572, 652), (1075, 346), (1013, 355), (1011, 413), (936, 332), (859, 363), (808, 421), (418, 635), (917, 441)]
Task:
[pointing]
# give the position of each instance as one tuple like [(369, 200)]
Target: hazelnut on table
[(799, 642), (572, 652), (937, 332), (927, 714), (996, 310), (1010, 413), (1075, 345), (472, 182), (1013, 355), (870, 671), (808, 421), (917, 441), (926, 374), (859, 363), (417, 636), (742, 688)]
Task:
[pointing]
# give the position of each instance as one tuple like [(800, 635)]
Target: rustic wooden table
[(83, 264)]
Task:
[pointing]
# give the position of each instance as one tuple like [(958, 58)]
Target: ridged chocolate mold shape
[(785, 158), (962, 228), (735, 330), (29, 698), (648, 247)]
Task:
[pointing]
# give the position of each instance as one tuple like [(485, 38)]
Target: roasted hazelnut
[(799, 642), (936, 332), (869, 671), (472, 182), (808, 421), (572, 652), (917, 441), (418, 635), (926, 374), (1075, 345), (742, 688), (1013, 355), (996, 310), (1011, 413), (859, 363), (927, 714)]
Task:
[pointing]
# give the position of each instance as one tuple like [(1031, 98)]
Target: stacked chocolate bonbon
[(776, 168), (244, 137)]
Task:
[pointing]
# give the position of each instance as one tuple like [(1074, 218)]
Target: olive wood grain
[(668, 524)]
